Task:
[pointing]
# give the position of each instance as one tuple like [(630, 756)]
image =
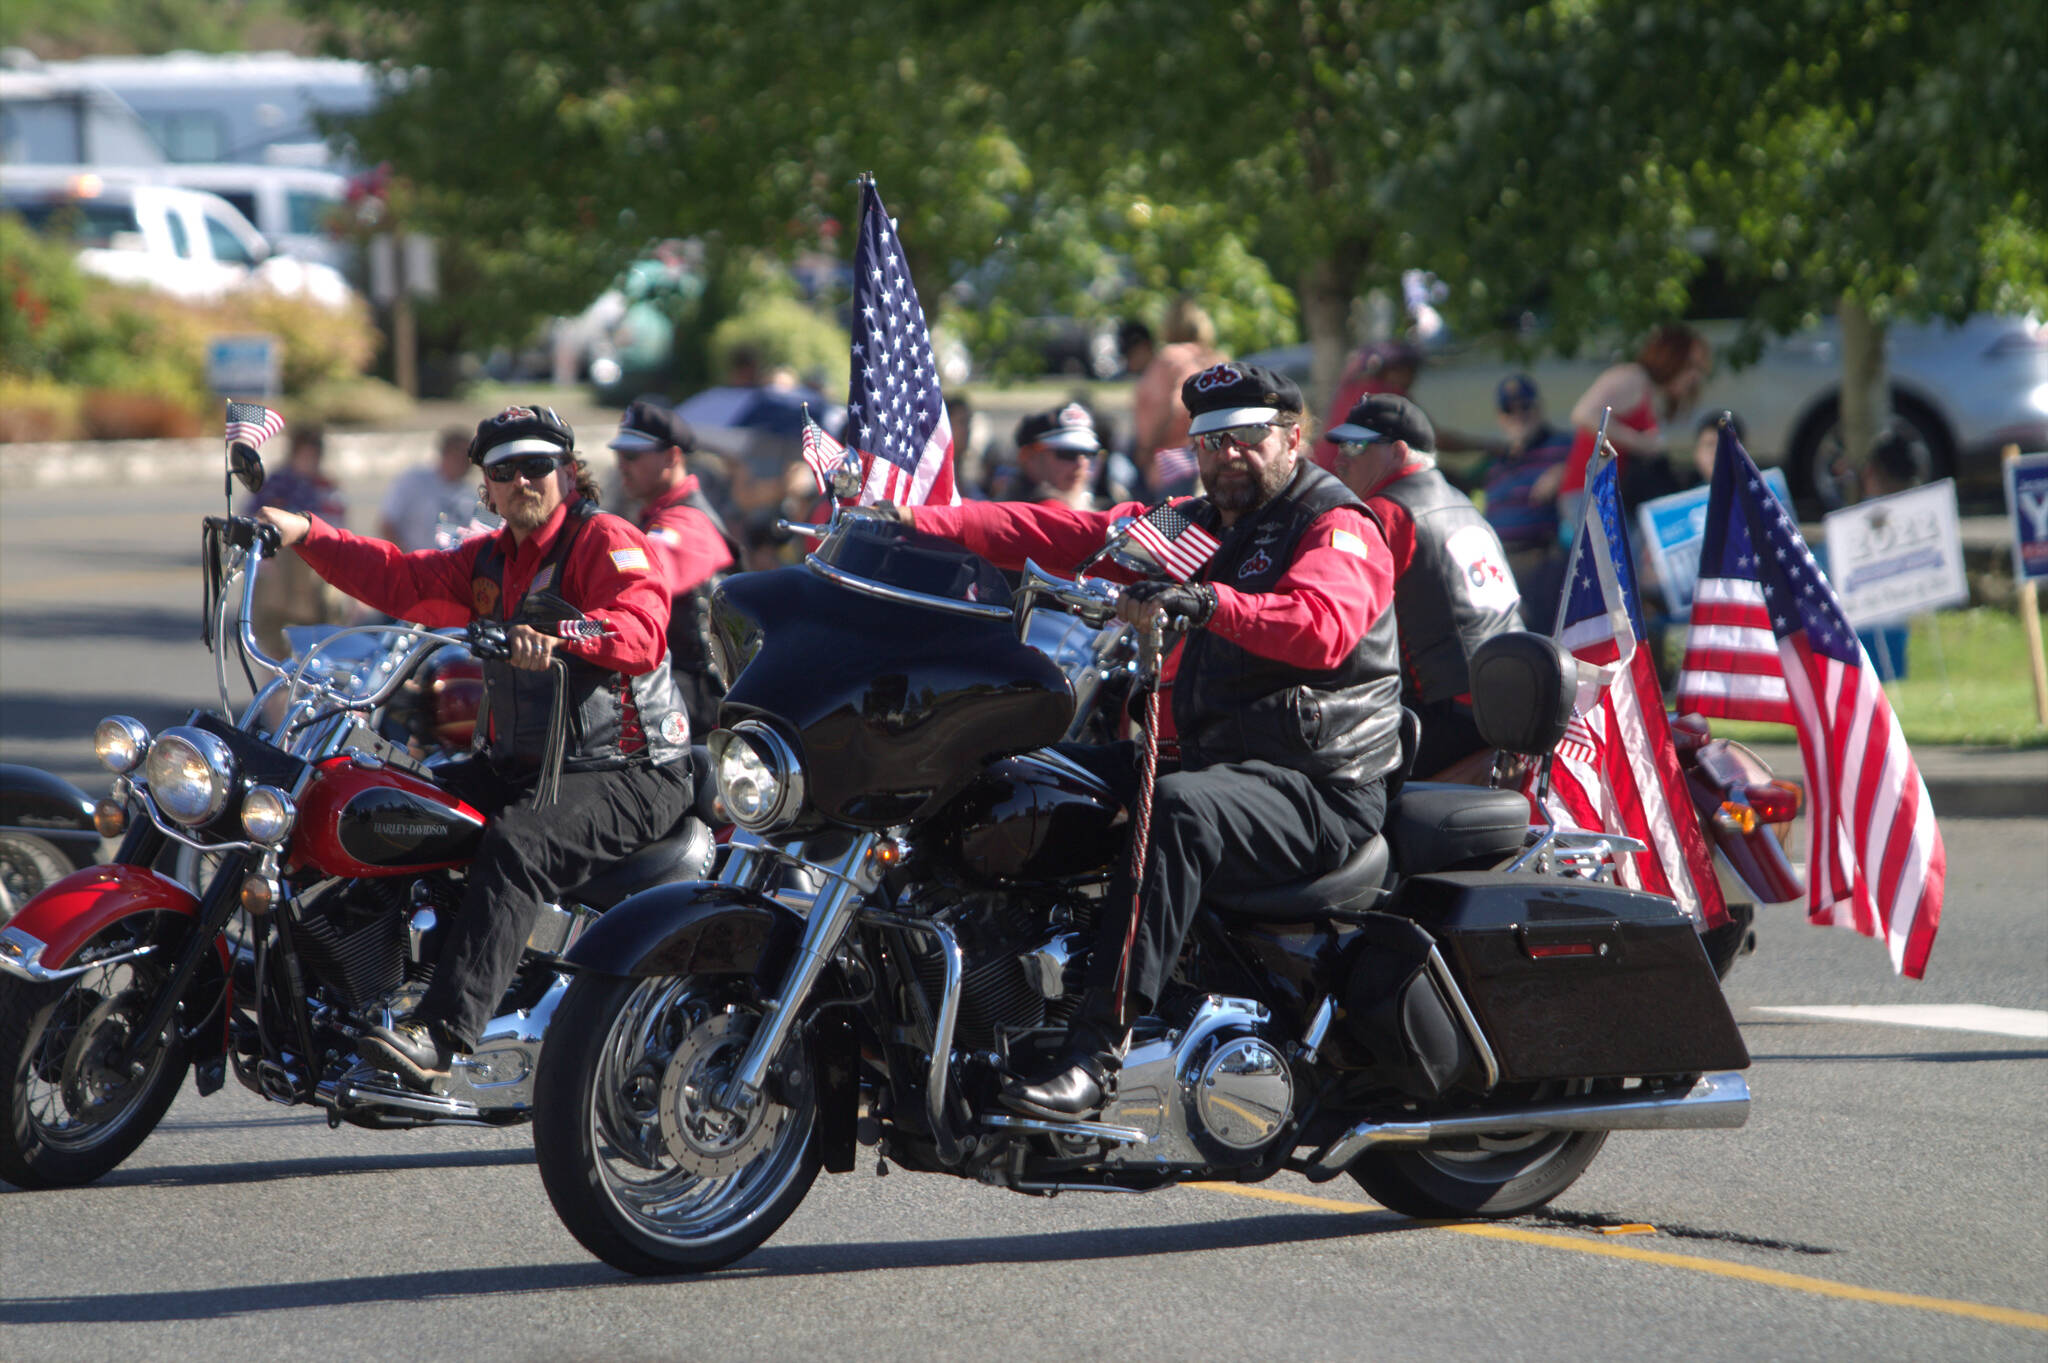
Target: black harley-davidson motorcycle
[(1456, 1017), (325, 862)]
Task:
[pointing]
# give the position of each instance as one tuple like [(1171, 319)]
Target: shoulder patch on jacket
[(1349, 543), (630, 560)]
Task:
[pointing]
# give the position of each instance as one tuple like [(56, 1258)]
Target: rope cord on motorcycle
[(1148, 775)]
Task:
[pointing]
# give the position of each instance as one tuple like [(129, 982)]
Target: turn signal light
[(1775, 801), (1738, 817), (110, 818), (259, 894)]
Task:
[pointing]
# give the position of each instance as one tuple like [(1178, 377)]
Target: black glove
[(1188, 605)]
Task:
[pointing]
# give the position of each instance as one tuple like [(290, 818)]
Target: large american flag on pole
[(895, 416), (1616, 769), (1768, 641)]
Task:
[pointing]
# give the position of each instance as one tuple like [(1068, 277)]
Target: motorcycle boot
[(1084, 1076), (414, 1048)]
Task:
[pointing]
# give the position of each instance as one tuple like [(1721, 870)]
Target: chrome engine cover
[(1213, 1091)]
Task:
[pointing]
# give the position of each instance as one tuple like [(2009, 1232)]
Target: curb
[(1962, 783)]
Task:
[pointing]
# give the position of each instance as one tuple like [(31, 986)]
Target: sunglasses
[(531, 467), (1236, 438), (1071, 455), (1354, 448)]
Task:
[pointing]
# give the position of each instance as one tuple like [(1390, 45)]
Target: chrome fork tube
[(832, 913)]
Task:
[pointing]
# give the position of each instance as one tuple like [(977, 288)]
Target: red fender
[(65, 916)]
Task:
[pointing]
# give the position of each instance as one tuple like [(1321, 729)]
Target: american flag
[(821, 452), (251, 423), (1616, 769), (895, 416), (1172, 466), (1768, 641), (1181, 546)]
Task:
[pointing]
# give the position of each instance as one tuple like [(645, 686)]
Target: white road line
[(2031, 1023)]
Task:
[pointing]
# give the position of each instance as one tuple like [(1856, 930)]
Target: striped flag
[(821, 452), (1616, 769), (1181, 546), (251, 423), (1173, 466), (1768, 641), (895, 416)]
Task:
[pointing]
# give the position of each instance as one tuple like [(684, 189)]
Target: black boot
[(414, 1048), (1076, 1084)]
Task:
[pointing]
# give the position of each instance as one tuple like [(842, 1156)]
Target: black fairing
[(1036, 817), (896, 704)]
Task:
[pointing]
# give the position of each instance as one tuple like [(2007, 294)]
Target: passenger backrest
[(1523, 685)]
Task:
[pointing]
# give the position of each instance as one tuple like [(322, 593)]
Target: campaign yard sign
[(2026, 497), (1898, 556), (244, 366), (1672, 528)]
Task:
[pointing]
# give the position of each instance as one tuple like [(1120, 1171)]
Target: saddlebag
[(1576, 980), (1394, 1009)]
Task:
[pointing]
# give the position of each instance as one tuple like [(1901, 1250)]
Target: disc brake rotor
[(93, 1081), (699, 1135)]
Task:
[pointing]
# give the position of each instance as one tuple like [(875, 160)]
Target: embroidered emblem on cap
[(1074, 414), (1218, 376)]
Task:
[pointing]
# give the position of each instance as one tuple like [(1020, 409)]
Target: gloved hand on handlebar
[(1188, 605), (521, 645), (894, 514)]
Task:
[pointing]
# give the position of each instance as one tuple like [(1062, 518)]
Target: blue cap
[(1516, 393)]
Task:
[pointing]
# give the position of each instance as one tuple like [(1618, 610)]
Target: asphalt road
[(1888, 1199)]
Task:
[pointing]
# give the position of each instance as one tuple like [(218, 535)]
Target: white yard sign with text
[(1898, 556)]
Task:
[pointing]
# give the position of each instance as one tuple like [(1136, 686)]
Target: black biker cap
[(1232, 394), (651, 424), (1386, 416), (520, 431), (1072, 427)]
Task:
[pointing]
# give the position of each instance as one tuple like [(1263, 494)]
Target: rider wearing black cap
[(625, 778)]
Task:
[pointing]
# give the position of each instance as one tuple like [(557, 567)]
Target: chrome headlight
[(268, 815), (120, 744), (759, 778), (190, 773)]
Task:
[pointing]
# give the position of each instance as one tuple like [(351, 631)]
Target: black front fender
[(693, 928)]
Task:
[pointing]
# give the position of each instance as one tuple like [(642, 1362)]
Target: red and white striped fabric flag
[(1768, 641), (251, 423), (895, 415), (1181, 546), (1616, 769)]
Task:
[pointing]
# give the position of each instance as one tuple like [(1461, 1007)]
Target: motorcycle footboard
[(1577, 980)]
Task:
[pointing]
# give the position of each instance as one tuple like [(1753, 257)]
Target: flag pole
[(1571, 565)]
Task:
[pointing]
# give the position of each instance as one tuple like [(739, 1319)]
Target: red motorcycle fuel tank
[(360, 819)]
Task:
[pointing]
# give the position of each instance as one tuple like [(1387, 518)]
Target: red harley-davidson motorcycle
[(336, 861)]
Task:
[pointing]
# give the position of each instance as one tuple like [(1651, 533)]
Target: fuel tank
[(1036, 817), (891, 658), (359, 819)]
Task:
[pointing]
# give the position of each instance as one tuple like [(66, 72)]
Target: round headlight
[(268, 814), (190, 774), (119, 743), (758, 776)]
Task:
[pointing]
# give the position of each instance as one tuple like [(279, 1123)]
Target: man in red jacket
[(1285, 700), (625, 777), (692, 548)]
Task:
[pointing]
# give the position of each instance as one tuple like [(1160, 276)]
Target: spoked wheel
[(28, 866), (1498, 1174), (642, 1165), (74, 1111)]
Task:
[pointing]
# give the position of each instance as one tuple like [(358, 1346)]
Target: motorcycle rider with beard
[(1285, 698), (625, 778)]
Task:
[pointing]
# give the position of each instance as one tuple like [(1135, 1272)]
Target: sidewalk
[(1963, 783)]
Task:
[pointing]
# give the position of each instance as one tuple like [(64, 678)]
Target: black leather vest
[(1458, 591), (520, 701), (1341, 726)]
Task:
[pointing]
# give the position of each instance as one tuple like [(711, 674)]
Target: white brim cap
[(1084, 441), (1223, 418), (636, 440), (513, 449)]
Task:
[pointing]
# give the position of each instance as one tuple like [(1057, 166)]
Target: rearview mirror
[(246, 465)]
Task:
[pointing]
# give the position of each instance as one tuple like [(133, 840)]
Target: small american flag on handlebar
[(251, 423), (1181, 546), (580, 629)]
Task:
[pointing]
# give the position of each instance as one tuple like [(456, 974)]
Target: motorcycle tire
[(1503, 1175), (28, 866), (69, 1118), (645, 1195)]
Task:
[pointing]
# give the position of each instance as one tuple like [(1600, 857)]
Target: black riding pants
[(527, 857), (1238, 825)]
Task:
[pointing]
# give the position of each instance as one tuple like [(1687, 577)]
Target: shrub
[(783, 332)]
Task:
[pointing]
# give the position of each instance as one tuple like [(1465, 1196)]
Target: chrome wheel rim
[(72, 1099), (663, 1053)]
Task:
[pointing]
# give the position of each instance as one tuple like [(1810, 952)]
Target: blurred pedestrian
[(1056, 454), (1135, 344), (1160, 417), (288, 592), (1382, 367), (692, 548), (1519, 485), (1453, 589), (1663, 380), (426, 503)]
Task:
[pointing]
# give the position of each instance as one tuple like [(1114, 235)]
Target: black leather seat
[(685, 854), (1354, 887), (1434, 826)]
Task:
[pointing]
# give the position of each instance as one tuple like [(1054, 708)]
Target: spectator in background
[(1706, 443), (1663, 380), (1382, 367), (1160, 417), (968, 456), (288, 592), (422, 501), (1519, 486), (1134, 342)]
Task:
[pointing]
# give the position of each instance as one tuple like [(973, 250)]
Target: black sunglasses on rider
[(531, 467), (1236, 437)]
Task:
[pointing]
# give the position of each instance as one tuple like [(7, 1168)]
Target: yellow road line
[(1769, 1277)]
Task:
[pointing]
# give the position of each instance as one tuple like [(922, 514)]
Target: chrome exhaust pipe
[(1717, 1100)]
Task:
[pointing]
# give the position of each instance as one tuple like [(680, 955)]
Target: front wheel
[(73, 1111), (642, 1166)]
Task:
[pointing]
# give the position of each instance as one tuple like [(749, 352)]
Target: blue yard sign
[(2026, 498), (1672, 528)]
